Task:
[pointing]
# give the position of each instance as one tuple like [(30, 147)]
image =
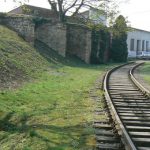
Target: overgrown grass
[(18, 60), (54, 111), (145, 72)]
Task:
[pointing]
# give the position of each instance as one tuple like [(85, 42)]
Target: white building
[(94, 15), (138, 42)]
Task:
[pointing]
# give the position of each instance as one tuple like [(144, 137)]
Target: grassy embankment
[(47, 105), (145, 72)]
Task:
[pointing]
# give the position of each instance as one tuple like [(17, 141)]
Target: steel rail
[(129, 145), (145, 91)]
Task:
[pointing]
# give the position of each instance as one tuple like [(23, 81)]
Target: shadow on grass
[(53, 57), (30, 130)]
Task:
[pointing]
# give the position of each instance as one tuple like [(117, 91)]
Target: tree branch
[(78, 8), (74, 4), (52, 6)]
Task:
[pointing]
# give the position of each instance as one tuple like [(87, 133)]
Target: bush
[(40, 20), (100, 44), (119, 51), (3, 15)]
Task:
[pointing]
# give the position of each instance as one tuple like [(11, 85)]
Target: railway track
[(129, 106)]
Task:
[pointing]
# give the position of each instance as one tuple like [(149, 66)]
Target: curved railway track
[(129, 105)]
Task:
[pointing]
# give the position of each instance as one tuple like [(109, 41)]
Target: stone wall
[(71, 38), (79, 41), (53, 35), (21, 24)]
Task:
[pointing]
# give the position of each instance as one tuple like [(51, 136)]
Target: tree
[(119, 37), (100, 44), (73, 7)]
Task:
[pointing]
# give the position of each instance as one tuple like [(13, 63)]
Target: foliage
[(39, 21), (25, 9), (74, 7), (119, 36), (3, 15), (100, 44)]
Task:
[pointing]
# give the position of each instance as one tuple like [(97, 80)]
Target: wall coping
[(79, 25)]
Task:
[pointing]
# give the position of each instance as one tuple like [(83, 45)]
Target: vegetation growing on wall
[(103, 45), (39, 21), (119, 45), (100, 44), (2, 15)]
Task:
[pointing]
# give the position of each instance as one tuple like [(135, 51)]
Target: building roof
[(41, 11), (32, 7), (140, 30)]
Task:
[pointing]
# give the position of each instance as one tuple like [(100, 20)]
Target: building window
[(147, 45), (132, 44), (138, 45), (143, 45)]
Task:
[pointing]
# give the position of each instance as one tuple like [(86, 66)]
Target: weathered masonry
[(72, 39), (138, 43), (66, 39), (63, 38), (53, 35), (79, 41), (23, 25)]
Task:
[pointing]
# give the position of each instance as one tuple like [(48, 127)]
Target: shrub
[(119, 46), (100, 44), (2, 15)]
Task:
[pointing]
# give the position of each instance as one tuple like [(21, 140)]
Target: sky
[(137, 11)]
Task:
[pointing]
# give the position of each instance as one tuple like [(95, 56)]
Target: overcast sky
[(137, 11)]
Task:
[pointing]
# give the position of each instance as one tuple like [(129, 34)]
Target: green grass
[(50, 113), (145, 72), (53, 111), (18, 60)]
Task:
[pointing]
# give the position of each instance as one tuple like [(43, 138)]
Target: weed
[(53, 111)]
